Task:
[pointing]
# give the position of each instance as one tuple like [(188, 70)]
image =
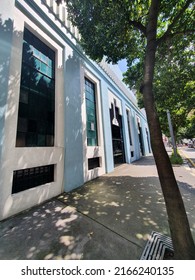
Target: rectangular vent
[(28, 178), (93, 163), (156, 247)]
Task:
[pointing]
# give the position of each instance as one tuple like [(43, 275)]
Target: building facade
[(64, 119)]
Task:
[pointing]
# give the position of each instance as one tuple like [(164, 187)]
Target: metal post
[(171, 133)]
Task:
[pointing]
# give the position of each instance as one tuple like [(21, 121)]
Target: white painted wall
[(20, 158)]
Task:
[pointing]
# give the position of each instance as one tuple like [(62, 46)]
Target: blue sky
[(122, 65)]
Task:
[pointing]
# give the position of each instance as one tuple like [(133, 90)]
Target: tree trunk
[(183, 243)]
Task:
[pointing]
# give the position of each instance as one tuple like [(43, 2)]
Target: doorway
[(141, 144), (117, 135)]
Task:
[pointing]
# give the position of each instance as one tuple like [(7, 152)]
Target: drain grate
[(156, 246)]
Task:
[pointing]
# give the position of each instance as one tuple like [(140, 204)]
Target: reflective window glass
[(37, 92), (92, 139)]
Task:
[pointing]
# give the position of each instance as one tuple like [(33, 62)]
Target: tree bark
[(182, 239)]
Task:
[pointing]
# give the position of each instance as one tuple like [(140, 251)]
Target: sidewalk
[(109, 218)]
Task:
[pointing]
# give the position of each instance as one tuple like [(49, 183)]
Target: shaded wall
[(73, 171)]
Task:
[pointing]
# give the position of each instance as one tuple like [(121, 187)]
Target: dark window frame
[(91, 113), (36, 114), (93, 163), (24, 179)]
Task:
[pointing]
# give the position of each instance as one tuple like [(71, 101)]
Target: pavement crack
[(106, 227)]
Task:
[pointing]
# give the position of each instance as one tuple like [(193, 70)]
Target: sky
[(122, 65)]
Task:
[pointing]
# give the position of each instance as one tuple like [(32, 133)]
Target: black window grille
[(28, 178), (93, 163)]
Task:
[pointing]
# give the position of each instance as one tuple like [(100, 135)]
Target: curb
[(189, 159)]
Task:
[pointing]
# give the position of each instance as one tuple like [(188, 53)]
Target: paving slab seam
[(104, 226)]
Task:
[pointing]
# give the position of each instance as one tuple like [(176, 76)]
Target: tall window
[(92, 139), (129, 126), (37, 94)]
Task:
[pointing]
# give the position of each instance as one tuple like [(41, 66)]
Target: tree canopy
[(117, 28), (174, 85)]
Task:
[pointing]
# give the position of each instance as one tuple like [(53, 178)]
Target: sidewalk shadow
[(145, 161), (54, 231), (188, 195), (107, 218), (44, 232), (132, 207)]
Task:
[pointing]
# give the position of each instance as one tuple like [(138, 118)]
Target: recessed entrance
[(140, 135), (117, 135)]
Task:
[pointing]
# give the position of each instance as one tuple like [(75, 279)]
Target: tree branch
[(138, 25), (175, 20), (171, 35)]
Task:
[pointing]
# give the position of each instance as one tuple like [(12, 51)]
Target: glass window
[(37, 90), (92, 139)]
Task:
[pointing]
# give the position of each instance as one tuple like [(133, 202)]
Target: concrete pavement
[(109, 218)]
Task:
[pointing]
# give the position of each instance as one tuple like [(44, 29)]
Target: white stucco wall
[(14, 158)]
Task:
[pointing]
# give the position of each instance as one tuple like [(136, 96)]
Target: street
[(189, 153)]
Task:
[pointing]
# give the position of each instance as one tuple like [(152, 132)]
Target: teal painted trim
[(89, 62)]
